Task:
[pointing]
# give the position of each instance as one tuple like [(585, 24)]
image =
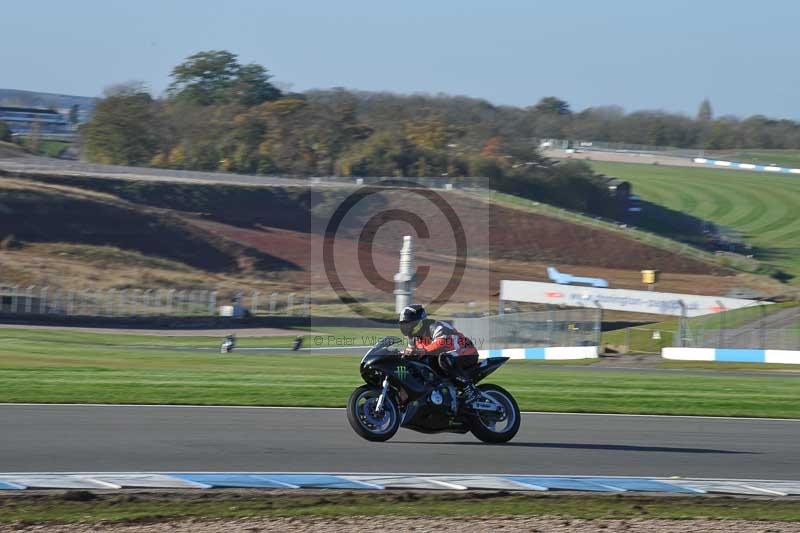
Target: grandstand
[(51, 111), (22, 121)]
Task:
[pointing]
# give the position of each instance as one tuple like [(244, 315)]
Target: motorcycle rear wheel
[(485, 428), (372, 426)]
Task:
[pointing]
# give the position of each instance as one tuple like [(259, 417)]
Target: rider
[(428, 337)]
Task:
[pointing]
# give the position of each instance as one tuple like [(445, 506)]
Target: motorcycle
[(228, 344), (404, 392)]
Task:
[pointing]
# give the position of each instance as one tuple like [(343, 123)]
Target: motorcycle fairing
[(485, 367), (416, 378)]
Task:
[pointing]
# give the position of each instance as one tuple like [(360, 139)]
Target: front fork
[(382, 397)]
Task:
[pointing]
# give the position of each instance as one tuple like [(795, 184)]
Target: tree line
[(220, 114)]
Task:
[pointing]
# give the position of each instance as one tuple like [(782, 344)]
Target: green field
[(48, 148), (763, 207), (56, 367)]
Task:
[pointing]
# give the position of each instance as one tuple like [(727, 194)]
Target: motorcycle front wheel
[(489, 427), (368, 423)]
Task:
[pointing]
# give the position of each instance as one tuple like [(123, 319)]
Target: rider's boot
[(470, 392)]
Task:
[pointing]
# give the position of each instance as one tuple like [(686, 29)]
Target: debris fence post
[(598, 324), (15, 298), (43, 300), (29, 301), (290, 303), (146, 302), (57, 302)]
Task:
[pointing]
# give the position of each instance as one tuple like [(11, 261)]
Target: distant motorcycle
[(410, 393), (228, 344)]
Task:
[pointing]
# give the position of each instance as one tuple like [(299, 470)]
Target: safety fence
[(554, 327), (603, 146), (668, 151), (765, 327), (645, 339), (149, 302)]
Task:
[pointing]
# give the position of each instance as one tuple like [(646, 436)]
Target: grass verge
[(761, 206), (62, 508), (67, 340), (39, 366)]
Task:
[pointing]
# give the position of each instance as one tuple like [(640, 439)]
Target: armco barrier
[(550, 353), (788, 357), (745, 166)]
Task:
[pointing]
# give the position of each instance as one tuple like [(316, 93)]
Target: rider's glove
[(408, 352)]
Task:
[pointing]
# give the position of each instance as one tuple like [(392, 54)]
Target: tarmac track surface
[(68, 438)]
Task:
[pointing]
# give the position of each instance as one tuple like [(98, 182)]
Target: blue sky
[(637, 54)]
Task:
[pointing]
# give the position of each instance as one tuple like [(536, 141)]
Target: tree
[(177, 157), (550, 105), (216, 77), (252, 86), (383, 154), (705, 113), (124, 129), (492, 147), (430, 134), (5, 132), (204, 78)]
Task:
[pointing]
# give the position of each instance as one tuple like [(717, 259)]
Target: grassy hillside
[(763, 207), (118, 234), (73, 238)]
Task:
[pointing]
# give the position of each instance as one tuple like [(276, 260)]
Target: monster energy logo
[(402, 372)]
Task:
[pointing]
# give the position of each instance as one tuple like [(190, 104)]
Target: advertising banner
[(658, 303)]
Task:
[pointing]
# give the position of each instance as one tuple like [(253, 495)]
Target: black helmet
[(410, 317)]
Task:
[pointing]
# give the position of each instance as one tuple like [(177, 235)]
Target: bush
[(5, 132), (10, 243)]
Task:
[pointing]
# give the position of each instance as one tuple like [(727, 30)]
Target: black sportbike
[(406, 392)]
